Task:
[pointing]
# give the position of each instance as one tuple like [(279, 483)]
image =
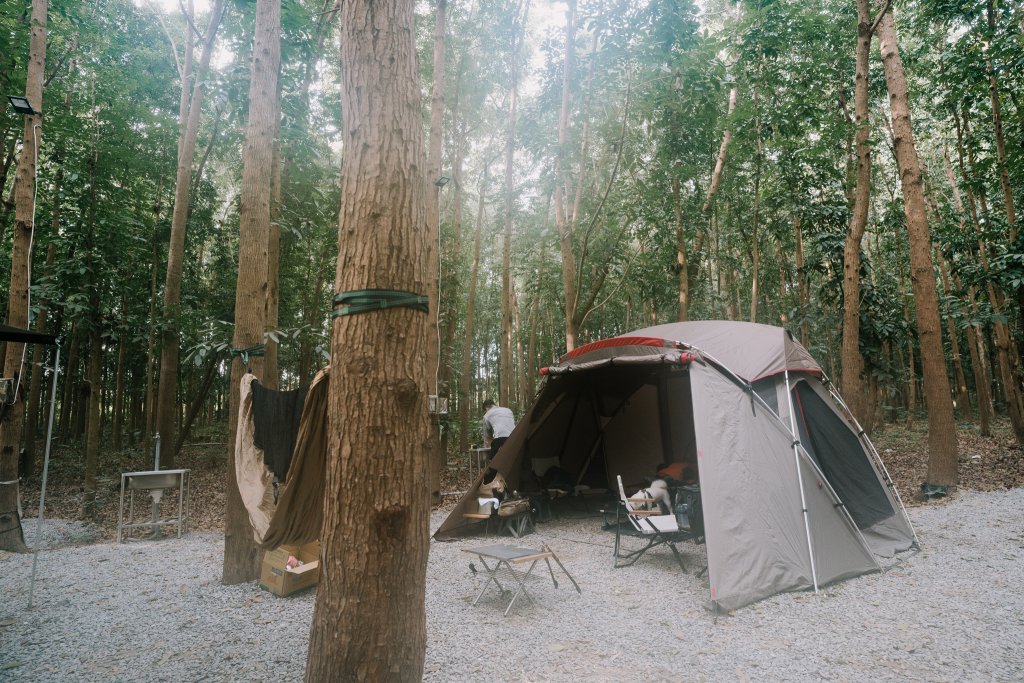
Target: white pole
[(46, 470), (800, 478)]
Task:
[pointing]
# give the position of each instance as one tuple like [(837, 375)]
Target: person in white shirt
[(498, 424)]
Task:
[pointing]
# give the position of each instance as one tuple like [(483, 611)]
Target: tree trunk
[(723, 151), (11, 537), (151, 351), (997, 125), (467, 340), (963, 399), (94, 374), (369, 622), (39, 353), (942, 439), (682, 271), (119, 402), (167, 399), (805, 286), (433, 192), (570, 288), (852, 380), (241, 554), (505, 380)]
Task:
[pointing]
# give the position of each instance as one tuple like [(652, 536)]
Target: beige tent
[(794, 494)]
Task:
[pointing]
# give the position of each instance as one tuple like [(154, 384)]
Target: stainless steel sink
[(146, 481)]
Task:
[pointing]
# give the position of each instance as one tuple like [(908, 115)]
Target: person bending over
[(498, 424)]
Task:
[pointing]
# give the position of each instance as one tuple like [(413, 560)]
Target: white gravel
[(155, 610)]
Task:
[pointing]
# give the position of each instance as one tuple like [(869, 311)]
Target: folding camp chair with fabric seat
[(653, 526)]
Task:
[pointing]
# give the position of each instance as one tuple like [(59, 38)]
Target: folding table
[(503, 557)]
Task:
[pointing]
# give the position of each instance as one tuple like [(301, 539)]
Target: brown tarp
[(300, 509), (298, 514)]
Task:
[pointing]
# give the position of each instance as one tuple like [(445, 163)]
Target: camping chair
[(656, 528)]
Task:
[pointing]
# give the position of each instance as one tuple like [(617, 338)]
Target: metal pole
[(156, 450), (800, 478), (46, 471)]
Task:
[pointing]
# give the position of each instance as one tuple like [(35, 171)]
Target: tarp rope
[(367, 300)]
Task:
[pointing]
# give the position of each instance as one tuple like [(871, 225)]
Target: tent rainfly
[(794, 494)]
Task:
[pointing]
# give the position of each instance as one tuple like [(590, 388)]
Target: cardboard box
[(279, 579)]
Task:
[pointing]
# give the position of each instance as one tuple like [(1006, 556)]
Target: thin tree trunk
[(723, 151), (433, 191), (682, 271), (197, 403), (852, 380), (241, 554), (38, 352), (755, 246), (963, 399), (119, 378), (805, 286), (369, 622), (151, 351), (94, 379), (11, 537), (167, 399), (563, 226), (942, 439), (505, 379), (467, 340)]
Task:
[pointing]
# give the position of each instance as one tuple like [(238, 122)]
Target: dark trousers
[(495, 445)]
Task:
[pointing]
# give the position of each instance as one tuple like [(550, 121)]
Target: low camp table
[(502, 561)]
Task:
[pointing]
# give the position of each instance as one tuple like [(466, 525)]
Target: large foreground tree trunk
[(11, 537), (942, 441), (369, 622), (241, 555)]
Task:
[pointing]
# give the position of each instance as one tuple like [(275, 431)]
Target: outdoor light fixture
[(442, 181), (21, 105)]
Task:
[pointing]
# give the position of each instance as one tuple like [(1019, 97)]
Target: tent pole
[(46, 469), (800, 478), (862, 436)]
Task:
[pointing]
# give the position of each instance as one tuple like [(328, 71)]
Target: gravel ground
[(154, 610)]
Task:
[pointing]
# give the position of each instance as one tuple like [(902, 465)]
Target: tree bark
[(467, 342), (942, 439), (11, 537), (723, 151), (94, 374), (241, 554), (682, 271), (852, 380), (170, 337), (505, 379), (433, 191), (562, 183), (369, 622), (39, 352)]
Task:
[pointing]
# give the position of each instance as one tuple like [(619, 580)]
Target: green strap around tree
[(366, 300), (257, 350)]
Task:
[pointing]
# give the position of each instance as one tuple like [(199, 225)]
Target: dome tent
[(794, 495)]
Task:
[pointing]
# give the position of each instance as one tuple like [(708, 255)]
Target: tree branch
[(881, 13)]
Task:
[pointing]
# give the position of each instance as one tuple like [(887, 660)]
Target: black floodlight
[(442, 181), (21, 105)]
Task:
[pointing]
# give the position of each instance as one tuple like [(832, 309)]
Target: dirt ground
[(986, 464)]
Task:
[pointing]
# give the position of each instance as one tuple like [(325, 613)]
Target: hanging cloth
[(255, 480), (276, 416), (300, 507)]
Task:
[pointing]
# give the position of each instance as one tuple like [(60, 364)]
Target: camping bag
[(495, 488), (688, 509)]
